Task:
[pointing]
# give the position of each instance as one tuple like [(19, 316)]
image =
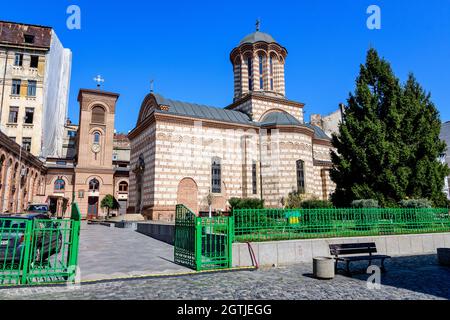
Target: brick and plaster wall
[(259, 107), (178, 158), (143, 146)]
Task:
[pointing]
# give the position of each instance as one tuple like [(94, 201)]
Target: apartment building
[(34, 87)]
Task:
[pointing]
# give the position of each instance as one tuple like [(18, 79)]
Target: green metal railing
[(214, 243), (184, 242), (285, 224), (202, 243), (38, 251)]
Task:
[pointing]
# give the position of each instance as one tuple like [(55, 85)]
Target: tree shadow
[(420, 273)]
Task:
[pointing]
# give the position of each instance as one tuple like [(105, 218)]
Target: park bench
[(349, 252)]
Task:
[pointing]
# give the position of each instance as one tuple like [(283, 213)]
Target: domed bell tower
[(258, 64)]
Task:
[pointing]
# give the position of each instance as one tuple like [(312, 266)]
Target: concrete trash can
[(323, 268), (444, 256)]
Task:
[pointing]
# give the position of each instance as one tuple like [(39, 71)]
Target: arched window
[(123, 187), (97, 137), (94, 185), (261, 71), (301, 176), (250, 73), (216, 176), (271, 72), (60, 185), (98, 115)]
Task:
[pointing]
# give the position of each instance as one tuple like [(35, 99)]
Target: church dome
[(257, 37), (279, 118)]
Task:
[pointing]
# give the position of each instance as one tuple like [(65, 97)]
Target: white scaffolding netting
[(56, 98)]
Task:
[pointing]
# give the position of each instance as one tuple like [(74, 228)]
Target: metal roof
[(318, 132), (256, 37), (277, 117), (201, 111)]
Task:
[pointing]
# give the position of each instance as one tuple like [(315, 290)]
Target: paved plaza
[(418, 277), (107, 253)]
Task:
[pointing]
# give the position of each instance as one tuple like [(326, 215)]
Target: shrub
[(246, 203), (365, 203), (293, 200), (316, 204), (416, 203)]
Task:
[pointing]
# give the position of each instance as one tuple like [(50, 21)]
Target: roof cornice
[(260, 97)]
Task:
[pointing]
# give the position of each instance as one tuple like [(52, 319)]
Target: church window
[(250, 73), (123, 187), (98, 115), (60, 185), (216, 176), (271, 73), (94, 185), (301, 176), (254, 182), (96, 137), (261, 71)]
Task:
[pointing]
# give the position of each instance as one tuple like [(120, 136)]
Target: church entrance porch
[(92, 208), (58, 206)]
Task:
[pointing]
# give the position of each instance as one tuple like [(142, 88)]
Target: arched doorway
[(139, 171), (188, 194)]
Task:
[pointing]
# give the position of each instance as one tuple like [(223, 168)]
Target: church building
[(259, 146)]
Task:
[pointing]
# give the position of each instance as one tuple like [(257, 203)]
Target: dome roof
[(256, 37), (279, 117)]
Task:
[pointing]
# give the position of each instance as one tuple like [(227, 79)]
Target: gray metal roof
[(202, 111), (318, 132), (256, 37), (282, 118)]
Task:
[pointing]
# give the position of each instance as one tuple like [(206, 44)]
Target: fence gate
[(203, 243)]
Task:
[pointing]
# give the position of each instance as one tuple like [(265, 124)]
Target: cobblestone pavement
[(418, 277)]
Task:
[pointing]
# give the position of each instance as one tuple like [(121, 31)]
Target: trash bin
[(323, 268)]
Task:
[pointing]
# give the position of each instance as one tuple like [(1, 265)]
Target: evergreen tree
[(388, 144), (109, 203)]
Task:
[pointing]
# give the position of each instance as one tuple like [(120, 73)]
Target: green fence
[(202, 243), (38, 251), (285, 224)]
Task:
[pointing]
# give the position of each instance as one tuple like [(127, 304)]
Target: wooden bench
[(358, 252)]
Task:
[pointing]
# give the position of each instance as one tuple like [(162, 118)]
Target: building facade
[(328, 123), (95, 161), (34, 87), (445, 136), (259, 146), (22, 177)]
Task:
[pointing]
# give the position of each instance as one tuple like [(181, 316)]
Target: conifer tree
[(388, 145)]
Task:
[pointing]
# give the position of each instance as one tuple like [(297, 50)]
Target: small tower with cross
[(94, 172)]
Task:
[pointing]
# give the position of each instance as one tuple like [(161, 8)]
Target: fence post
[(230, 241), (72, 255), (198, 243), (26, 257)]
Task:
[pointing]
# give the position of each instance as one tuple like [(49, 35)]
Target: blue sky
[(184, 46)]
